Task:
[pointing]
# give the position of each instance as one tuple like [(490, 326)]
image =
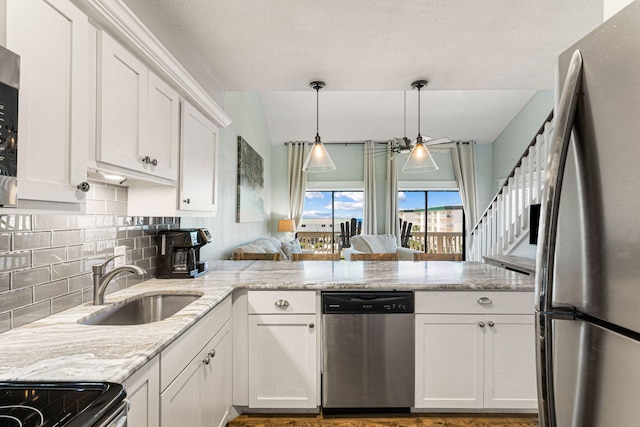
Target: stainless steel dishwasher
[(368, 350)]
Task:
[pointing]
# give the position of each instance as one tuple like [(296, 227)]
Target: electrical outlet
[(120, 250)]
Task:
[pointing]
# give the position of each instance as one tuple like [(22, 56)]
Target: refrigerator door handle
[(548, 230), (553, 183)]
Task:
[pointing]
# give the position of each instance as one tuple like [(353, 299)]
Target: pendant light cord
[(318, 110), (419, 87)]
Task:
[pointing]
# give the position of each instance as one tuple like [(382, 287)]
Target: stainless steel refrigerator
[(588, 260)]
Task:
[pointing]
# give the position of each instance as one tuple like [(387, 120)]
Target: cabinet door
[(51, 38), (282, 361), (198, 162), (122, 100), (510, 365), (160, 142), (216, 383), (143, 393), (449, 361), (180, 403)]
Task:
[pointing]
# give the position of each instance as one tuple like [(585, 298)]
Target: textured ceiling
[(484, 59)]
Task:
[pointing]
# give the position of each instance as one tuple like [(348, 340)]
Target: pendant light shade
[(318, 159), (420, 159)]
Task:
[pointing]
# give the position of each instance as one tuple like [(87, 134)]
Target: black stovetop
[(27, 404)]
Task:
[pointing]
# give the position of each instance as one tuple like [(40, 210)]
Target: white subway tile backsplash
[(45, 260)]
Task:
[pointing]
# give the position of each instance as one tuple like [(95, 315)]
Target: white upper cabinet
[(138, 114), (199, 162), (51, 38)]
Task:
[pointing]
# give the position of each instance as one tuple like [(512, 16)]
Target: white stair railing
[(505, 223)]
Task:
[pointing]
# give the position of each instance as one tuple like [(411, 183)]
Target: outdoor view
[(326, 210)]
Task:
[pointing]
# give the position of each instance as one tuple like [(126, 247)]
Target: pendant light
[(420, 159), (318, 159)]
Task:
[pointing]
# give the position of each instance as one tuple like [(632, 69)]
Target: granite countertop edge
[(58, 348)]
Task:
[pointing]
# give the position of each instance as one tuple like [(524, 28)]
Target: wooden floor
[(409, 420)]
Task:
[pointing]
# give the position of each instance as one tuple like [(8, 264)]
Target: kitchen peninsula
[(59, 348)]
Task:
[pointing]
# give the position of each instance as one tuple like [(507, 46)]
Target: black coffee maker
[(179, 253)]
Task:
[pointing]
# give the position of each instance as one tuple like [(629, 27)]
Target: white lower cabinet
[(467, 360), (143, 393), (198, 393), (283, 349)]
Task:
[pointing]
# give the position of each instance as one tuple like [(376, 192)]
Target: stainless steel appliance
[(84, 404), (9, 85), (179, 253), (588, 274), (367, 345)]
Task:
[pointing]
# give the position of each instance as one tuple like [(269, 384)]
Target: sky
[(348, 204)]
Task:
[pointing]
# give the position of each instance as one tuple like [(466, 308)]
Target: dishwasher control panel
[(367, 302)]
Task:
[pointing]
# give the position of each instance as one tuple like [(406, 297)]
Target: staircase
[(505, 223)]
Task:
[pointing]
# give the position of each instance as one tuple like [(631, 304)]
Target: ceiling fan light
[(318, 159), (420, 160)]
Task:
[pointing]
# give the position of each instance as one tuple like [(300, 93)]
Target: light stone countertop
[(57, 348)]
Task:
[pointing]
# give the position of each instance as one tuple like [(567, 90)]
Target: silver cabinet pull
[(206, 360), (146, 160), (491, 324), (311, 325), (485, 300), (83, 186), (212, 353), (154, 162), (481, 324), (282, 303), (187, 201)]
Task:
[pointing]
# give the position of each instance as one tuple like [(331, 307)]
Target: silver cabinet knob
[(83, 186), (187, 201), (484, 301), (311, 325), (481, 324), (154, 162), (491, 324), (206, 360), (146, 160), (212, 353), (282, 303)]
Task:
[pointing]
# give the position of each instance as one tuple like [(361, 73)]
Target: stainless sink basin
[(145, 309)]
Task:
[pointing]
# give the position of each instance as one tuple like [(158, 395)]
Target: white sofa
[(378, 244), (269, 245)]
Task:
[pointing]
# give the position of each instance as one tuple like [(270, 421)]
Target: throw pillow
[(296, 246), (368, 243), (287, 249), (389, 242)]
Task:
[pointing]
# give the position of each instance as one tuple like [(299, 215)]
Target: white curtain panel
[(297, 179), (463, 156), (369, 220), (391, 220)]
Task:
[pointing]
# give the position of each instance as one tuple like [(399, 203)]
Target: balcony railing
[(322, 242)]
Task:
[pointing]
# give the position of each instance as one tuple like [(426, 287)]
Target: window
[(437, 220), (323, 212)]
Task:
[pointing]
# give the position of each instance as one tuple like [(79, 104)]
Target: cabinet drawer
[(274, 302), (174, 358), (475, 302)]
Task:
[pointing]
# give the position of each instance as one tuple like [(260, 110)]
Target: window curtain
[(369, 221), (463, 156), (297, 179), (392, 217)]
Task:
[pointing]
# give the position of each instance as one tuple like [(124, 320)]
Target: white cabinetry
[(477, 350), (283, 347), (199, 162), (196, 380), (138, 114), (51, 38), (143, 393)]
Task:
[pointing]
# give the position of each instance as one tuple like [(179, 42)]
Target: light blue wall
[(514, 139), (245, 109)]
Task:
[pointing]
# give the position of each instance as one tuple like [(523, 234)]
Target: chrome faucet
[(101, 280)]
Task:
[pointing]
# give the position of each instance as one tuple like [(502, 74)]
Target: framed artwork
[(250, 206)]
